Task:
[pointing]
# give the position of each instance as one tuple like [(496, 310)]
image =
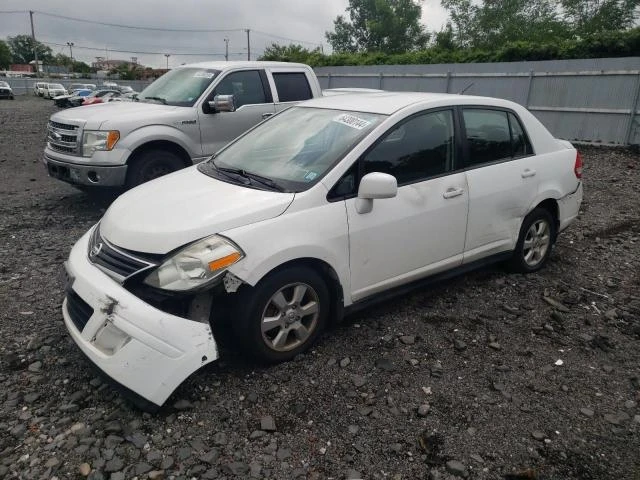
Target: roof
[(387, 103), (242, 63)]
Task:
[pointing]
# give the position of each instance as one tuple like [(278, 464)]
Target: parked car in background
[(109, 85), (377, 191), (125, 89), (102, 96), (52, 90), (6, 90), (81, 86), (127, 97), (38, 88), (180, 119), (74, 98)]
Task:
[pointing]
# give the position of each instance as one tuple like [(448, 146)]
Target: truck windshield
[(294, 149), (180, 87)]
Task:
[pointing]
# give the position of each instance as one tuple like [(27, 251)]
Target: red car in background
[(101, 96)]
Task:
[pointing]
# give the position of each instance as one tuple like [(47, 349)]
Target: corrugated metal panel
[(581, 100)]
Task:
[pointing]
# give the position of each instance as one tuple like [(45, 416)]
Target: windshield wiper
[(266, 181), (159, 99)]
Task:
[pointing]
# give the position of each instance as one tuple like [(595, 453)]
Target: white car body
[(441, 224), (52, 90)]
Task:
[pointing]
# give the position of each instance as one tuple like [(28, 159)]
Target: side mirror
[(222, 103), (375, 185)]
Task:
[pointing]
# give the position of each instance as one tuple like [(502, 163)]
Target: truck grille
[(62, 137), (115, 262)]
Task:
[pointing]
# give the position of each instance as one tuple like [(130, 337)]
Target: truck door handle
[(453, 192), (528, 173), (266, 115)]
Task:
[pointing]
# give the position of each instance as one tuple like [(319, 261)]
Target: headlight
[(93, 140), (196, 265)]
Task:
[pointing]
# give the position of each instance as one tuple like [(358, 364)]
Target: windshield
[(53, 86), (180, 87), (295, 148)]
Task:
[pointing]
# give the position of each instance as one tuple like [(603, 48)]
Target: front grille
[(63, 137), (113, 260), (79, 310)]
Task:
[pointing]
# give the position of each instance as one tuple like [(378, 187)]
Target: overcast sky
[(304, 21)]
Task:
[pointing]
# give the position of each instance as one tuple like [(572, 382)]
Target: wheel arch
[(328, 274), (167, 145), (551, 205)]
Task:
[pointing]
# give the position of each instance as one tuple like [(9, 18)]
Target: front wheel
[(150, 165), (535, 242), (283, 315)]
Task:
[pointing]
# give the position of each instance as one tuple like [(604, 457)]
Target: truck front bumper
[(87, 175), (142, 348)]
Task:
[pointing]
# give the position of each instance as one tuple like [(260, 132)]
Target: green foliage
[(21, 47), (5, 55), (287, 53), (390, 26), (605, 44), (591, 16)]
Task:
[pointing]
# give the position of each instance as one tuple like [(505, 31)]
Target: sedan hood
[(182, 207)]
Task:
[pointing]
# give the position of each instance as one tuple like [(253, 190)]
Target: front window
[(295, 148), (55, 86), (179, 87)]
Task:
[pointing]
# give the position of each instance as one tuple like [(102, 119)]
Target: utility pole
[(248, 45), (167, 55), (226, 49), (35, 46), (70, 44)]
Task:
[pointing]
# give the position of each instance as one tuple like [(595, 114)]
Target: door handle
[(266, 115), (528, 173), (453, 192)]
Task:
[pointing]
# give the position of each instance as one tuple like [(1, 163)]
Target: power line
[(137, 27), (199, 54), (285, 38)]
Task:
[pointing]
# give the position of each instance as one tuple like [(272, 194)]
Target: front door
[(252, 99), (422, 230)]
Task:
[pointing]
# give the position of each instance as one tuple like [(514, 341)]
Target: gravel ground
[(488, 376)]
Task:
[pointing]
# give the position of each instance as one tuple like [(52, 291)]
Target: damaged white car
[(321, 209)]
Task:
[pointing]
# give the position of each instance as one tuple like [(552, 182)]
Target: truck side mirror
[(222, 103)]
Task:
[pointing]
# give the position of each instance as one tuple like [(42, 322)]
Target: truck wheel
[(150, 165), (282, 316)]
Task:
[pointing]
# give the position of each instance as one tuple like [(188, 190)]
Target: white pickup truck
[(180, 119)]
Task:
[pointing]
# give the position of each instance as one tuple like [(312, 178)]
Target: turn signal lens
[(112, 138), (224, 262)]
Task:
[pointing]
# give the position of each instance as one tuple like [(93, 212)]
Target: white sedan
[(323, 208)]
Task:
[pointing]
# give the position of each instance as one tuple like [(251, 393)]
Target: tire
[(537, 235), (150, 165), (274, 297)]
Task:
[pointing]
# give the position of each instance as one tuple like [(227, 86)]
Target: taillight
[(577, 168)]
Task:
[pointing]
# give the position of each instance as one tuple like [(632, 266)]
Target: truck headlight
[(196, 266), (94, 140)]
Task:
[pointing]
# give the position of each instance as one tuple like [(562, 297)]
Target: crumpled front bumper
[(146, 350)]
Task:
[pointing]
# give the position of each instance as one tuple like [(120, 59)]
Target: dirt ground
[(487, 376)]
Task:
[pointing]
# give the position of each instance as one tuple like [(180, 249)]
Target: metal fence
[(596, 101), (24, 85)]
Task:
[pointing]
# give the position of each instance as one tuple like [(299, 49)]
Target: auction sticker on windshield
[(203, 75), (352, 121)]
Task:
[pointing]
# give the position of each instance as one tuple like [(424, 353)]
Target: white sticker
[(310, 176), (352, 121), (203, 75)]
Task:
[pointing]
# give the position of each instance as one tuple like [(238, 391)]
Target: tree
[(492, 23), (591, 16), (288, 53), (389, 26), (5, 55), (21, 47)]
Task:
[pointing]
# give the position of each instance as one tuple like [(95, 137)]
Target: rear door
[(253, 100), (502, 178), (290, 86)]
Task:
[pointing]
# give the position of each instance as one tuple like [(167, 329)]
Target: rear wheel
[(150, 165), (535, 242), (283, 315)]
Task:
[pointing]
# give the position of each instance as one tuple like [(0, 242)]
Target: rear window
[(292, 86)]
